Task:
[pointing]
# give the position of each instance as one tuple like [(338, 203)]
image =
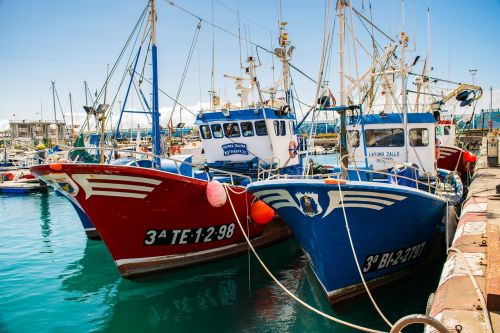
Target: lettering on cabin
[(384, 154), (235, 149)]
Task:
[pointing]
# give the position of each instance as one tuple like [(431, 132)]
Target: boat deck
[(16, 187)]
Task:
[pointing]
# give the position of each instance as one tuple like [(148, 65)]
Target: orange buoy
[(9, 176), (469, 157), (335, 181), (55, 166), (261, 213), (216, 194)]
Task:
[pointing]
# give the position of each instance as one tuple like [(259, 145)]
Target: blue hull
[(392, 227), (87, 224)]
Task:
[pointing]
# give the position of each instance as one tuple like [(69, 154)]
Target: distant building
[(38, 130)]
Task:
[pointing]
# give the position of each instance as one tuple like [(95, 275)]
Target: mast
[(72, 124), (103, 121), (404, 42), (87, 104), (55, 112), (343, 100), (155, 115)]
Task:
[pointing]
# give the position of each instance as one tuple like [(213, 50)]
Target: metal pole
[(404, 40), (55, 113), (72, 123), (343, 98), (155, 114)]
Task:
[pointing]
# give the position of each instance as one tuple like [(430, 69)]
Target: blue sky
[(70, 41)]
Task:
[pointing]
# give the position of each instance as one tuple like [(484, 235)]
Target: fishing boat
[(155, 212), (375, 208), (452, 157), (376, 217)]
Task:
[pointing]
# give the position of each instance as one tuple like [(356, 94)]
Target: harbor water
[(53, 279)]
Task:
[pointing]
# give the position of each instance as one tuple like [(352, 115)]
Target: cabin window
[(260, 127), (205, 132), (217, 131), (419, 137), (447, 130), (353, 138), (232, 130), (292, 127), (247, 128), (390, 137), (276, 127), (282, 128)]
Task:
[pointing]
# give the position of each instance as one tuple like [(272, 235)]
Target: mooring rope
[(357, 262), (288, 292), (477, 289)]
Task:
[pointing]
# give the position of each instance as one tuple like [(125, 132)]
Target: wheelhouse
[(248, 136), (387, 143)]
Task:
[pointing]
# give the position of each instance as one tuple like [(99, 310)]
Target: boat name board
[(188, 236), (235, 149), (384, 154), (384, 260)]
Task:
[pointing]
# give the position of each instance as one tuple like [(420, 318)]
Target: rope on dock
[(487, 319), (288, 292)]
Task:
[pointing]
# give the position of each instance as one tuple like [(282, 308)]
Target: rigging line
[(243, 16), (372, 36), (330, 48), (239, 38), (373, 25), (139, 23), (60, 107), (167, 95), (235, 35), (129, 66), (186, 68)]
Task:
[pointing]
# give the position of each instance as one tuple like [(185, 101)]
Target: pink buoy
[(216, 194)]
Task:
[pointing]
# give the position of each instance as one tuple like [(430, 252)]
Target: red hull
[(152, 220), (451, 158)]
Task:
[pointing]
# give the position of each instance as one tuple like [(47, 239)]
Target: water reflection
[(93, 273), (214, 296), (45, 221)]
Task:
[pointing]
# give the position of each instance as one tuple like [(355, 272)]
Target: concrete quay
[(457, 302)]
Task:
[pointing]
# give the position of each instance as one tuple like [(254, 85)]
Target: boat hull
[(452, 158), (153, 220), (392, 229)]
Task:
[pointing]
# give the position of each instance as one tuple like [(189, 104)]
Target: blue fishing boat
[(375, 217)]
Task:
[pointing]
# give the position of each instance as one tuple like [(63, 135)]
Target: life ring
[(292, 149), (144, 149), (174, 150)]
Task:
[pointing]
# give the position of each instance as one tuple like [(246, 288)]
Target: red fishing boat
[(155, 212), (152, 220), (451, 157)]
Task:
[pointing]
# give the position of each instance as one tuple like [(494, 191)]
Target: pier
[(459, 303)]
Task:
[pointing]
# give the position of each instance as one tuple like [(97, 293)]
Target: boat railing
[(268, 167), (431, 184), (137, 156)]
